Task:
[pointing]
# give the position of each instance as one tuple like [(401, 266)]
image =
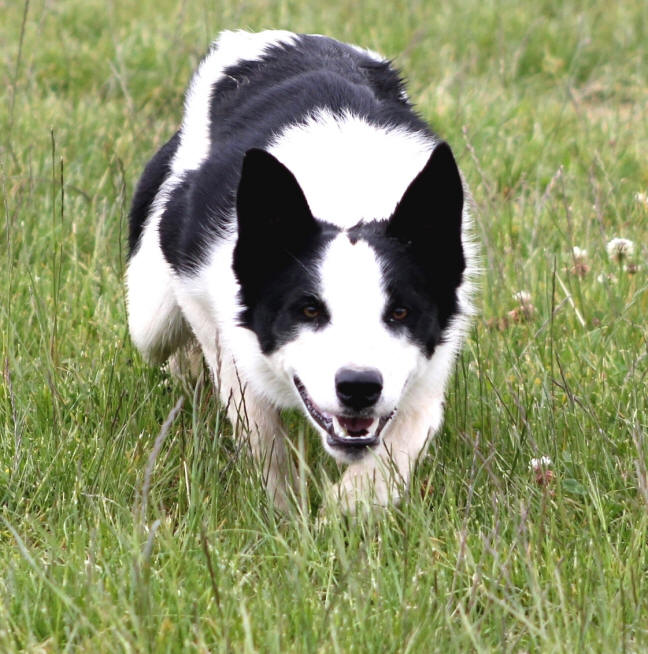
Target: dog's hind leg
[(155, 321), (154, 317)]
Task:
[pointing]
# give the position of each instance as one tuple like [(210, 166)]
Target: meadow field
[(130, 521)]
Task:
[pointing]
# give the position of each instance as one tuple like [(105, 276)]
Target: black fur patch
[(277, 252), (420, 250), (149, 184), (257, 99)]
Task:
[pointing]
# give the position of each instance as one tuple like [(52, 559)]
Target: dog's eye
[(311, 311), (398, 313)]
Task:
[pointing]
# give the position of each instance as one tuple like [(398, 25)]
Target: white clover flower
[(525, 310), (605, 279), (523, 297), (580, 267), (642, 198), (579, 254), (540, 464), (619, 249)]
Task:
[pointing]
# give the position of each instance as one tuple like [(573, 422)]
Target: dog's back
[(233, 107)]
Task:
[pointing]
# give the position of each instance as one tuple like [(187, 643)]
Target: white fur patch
[(350, 170), (154, 319), (356, 337), (228, 50)]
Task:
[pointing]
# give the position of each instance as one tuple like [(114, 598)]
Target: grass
[(104, 548)]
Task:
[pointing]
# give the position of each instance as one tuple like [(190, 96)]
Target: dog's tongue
[(356, 426)]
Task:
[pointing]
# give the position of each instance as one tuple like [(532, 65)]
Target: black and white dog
[(308, 230)]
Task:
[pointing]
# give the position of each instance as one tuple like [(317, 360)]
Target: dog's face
[(348, 318)]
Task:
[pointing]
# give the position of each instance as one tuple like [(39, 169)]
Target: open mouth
[(343, 431)]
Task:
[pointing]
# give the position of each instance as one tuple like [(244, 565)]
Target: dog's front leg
[(260, 426), (257, 423), (382, 476)]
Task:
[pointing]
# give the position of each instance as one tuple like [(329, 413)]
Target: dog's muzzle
[(348, 432)]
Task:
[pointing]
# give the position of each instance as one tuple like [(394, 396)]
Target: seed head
[(619, 249)]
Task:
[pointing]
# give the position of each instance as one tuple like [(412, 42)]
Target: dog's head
[(348, 317)]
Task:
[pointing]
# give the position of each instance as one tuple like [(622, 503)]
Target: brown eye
[(398, 314), (311, 312)]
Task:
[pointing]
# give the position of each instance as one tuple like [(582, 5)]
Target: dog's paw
[(186, 364), (281, 499), (361, 493)]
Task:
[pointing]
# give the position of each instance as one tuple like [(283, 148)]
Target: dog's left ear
[(428, 217)]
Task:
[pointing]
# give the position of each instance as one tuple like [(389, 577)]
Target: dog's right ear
[(270, 205)]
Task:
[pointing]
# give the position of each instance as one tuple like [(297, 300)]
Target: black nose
[(358, 389)]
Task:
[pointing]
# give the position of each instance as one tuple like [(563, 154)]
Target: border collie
[(307, 229)]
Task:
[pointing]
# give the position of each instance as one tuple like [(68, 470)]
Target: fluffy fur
[(309, 231)]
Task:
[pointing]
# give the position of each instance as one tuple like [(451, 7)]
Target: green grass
[(545, 106)]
